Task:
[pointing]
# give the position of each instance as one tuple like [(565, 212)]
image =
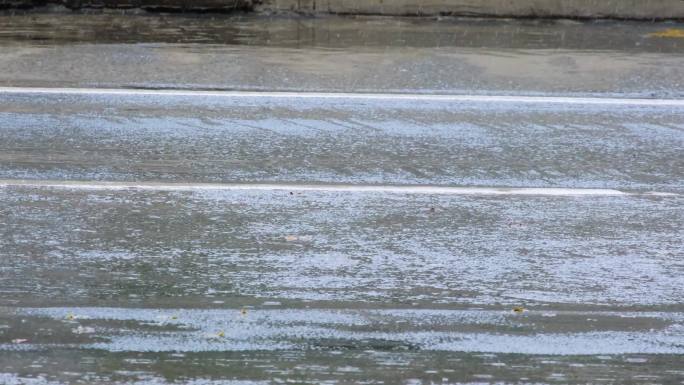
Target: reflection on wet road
[(246, 138), (427, 250), (339, 286), (342, 345)]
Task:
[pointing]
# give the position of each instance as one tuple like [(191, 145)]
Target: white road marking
[(421, 190), (342, 95)]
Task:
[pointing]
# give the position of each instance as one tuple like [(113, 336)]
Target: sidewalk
[(355, 54)]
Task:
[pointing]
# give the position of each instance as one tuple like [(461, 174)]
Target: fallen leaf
[(221, 334), (518, 309), (670, 32)]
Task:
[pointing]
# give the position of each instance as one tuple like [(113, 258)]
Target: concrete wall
[(628, 9)]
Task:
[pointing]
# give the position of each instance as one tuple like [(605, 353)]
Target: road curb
[(576, 9)]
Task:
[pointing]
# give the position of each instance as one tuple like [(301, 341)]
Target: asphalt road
[(373, 139), (161, 236), (514, 215)]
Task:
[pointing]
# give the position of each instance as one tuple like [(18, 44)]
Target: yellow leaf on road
[(670, 32)]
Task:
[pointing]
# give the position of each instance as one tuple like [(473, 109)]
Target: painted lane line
[(353, 96), (418, 190)]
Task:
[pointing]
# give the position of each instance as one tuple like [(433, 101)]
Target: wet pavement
[(341, 140), (445, 55), (155, 286), (237, 238), (197, 247)]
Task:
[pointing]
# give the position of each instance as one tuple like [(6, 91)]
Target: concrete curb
[(613, 9), (616, 9)]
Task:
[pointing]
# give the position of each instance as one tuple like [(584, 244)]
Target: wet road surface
[(354, 54), (255, 138), (247, 238)]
